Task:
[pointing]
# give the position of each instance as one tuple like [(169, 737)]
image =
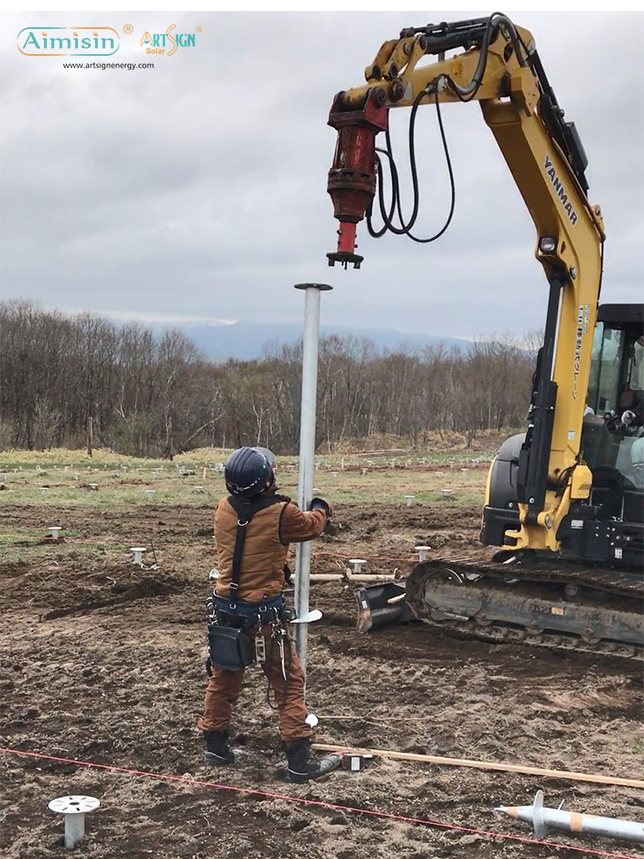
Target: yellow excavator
[(565, 499)]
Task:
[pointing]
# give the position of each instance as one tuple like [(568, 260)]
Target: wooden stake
[(482, 765), (326, 577)]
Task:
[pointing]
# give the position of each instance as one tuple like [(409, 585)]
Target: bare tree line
[(151, 396)]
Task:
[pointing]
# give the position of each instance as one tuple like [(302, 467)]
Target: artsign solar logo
[(168, 43), (68, 41)]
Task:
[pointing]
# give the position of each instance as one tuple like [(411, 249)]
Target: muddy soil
[(103, 662)]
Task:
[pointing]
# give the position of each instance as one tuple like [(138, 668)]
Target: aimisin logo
[(68, 41)]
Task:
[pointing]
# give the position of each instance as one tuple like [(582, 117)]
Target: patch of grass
[(61, 457), (638, 746), (456, 479), (30, 548)]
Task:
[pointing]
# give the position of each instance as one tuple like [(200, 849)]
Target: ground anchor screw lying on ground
[(55, 532), (555, 818), (137, 554), (74, 808)]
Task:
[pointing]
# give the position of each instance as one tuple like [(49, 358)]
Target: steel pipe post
[(310, 345)]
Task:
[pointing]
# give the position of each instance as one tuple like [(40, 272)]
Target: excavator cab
[(613, 431), (614, 421)]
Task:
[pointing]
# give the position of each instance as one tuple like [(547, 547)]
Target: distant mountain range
[(246, 341)]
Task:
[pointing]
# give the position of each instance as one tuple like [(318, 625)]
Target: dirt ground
[(103, 662)]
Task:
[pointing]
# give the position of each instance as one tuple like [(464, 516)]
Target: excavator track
[(589, 610)]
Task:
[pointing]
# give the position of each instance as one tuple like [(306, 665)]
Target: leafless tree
[(148, 395)]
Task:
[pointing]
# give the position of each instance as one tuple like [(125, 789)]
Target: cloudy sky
[(197, 189)]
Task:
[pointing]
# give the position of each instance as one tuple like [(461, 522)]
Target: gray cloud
[(198, 188)]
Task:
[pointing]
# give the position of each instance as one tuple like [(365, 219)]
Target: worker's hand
[(332, 529), (321, 504)]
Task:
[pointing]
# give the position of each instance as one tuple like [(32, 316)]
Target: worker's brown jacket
[(267, 538)]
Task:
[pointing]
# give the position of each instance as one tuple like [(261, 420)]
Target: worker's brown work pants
[(224, 688)]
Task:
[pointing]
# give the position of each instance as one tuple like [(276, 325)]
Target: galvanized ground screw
[(410, 500), (74, 808), (137, 554), (55, 531), (422, 552), (541, 817), (357, 564)]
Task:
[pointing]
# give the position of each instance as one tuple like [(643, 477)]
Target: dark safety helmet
[(248, 471)]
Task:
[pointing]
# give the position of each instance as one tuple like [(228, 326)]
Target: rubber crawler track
[(628, 587)]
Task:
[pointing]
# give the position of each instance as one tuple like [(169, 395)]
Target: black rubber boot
[(218, 751), (303, 767)]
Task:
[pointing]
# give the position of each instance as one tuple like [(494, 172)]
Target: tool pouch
[(230, 648)]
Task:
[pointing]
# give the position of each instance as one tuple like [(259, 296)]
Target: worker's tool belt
[(248, 614), (228, 637)]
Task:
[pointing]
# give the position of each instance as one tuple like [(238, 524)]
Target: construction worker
[(253, 528)]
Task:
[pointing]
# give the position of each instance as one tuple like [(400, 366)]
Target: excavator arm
[(497, 65)]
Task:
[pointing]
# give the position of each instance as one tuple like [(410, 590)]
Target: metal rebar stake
[(307, 452)]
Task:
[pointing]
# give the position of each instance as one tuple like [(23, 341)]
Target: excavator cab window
[(606, 365), (613, 432), (636, 370)]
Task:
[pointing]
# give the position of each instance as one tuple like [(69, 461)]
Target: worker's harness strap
[(245, 512), (228, 639)]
